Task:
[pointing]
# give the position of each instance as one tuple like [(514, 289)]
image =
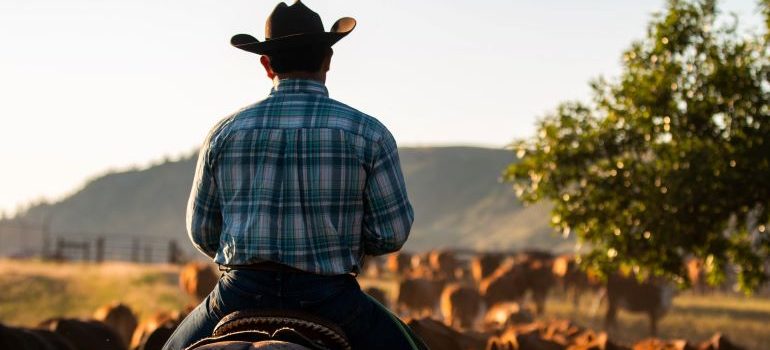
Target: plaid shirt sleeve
[(204, 214), (388, 215)]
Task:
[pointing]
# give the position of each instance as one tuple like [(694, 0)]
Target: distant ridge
[(458, 200)]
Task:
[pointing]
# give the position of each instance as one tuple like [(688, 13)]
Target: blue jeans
[(338, 299)]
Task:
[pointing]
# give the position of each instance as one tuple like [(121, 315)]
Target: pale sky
[(88, 86)]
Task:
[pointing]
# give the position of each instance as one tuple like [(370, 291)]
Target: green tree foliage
[(671, 160), (765, 7)]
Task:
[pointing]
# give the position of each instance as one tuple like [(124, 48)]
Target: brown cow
[(505, 341), (422, 271), (32, 339), (485, 264), (443, 263), (419, 261), (463, 274), (158, 337), (515, 277), (505, 284), (659, 344), (437, 335), (505, 314), (573, 279), (198, 279), (589, 340), (553, 335), (399, 263), (85, 334), (536, 267), (153, 332), (519, 338), (651, 296), (373, 266), (461, 306), (120, 318), (719, 342), (695, 274), (419, 296)]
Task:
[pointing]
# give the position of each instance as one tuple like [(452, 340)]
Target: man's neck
[(317, 76)]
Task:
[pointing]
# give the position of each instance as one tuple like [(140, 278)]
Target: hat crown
[(290, 20), (292, 27)]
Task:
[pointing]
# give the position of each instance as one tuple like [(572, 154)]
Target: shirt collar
[(288, 86)]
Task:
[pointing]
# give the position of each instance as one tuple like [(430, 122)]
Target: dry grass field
[(31, 291), (743, 320)]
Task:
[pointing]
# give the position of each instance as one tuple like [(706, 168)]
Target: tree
[(670, 160), (765, 7)]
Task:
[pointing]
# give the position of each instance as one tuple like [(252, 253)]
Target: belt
[(269, 266)]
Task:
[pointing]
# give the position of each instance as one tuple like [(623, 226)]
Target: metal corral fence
[(21, 240)]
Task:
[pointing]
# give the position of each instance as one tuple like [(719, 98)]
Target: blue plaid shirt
[(301, 179)]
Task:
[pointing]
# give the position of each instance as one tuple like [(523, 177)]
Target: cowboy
[(291, 193)]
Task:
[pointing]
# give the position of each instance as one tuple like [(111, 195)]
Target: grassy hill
[(456, 193)]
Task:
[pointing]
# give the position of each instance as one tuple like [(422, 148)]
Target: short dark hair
[(299, 59)]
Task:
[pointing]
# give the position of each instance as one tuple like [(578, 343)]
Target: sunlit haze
[(89, 86)]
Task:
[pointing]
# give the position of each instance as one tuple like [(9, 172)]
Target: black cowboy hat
[(293, 26)]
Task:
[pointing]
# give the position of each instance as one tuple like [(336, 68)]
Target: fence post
[(45, 231), (173, 252), (46, 251), (147, 253), (99, 250), (86, 246), (59, 252), (135, 250), (23, 236)]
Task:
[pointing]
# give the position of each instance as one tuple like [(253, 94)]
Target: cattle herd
[(468, 300), (451, 299)]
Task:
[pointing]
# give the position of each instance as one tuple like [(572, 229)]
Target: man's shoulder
[(334, 113), (363, 124), (235, 119)]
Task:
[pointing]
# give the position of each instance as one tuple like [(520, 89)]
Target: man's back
[(292, 192), (299, 179)]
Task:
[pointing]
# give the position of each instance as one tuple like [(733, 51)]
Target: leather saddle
[(245, 330)]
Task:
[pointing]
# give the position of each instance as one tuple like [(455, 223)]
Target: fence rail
[(30, 240)]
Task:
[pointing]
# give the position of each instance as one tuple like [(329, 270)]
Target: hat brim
[(339, 30)]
